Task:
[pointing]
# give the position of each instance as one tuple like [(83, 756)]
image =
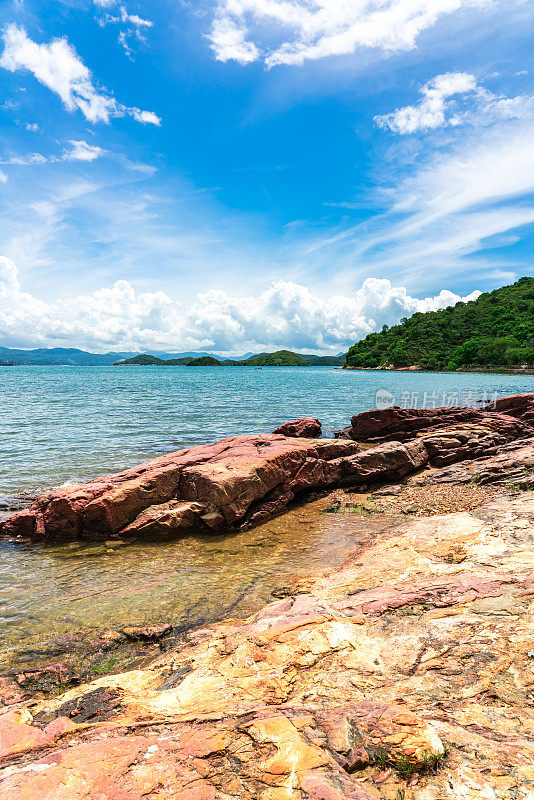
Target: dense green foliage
[(142, 360), (323, 361), (282, 358), (496, 329), (204, 361), (145, 360)]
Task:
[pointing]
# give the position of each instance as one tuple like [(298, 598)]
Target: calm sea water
[(64, 424), (68, 423)]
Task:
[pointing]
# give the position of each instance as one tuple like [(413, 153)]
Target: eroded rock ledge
[(243, 480), (405, 674)]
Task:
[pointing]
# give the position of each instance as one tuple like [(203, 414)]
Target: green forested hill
[(145, 360), (203, 361), (496, 329), (282, 358)]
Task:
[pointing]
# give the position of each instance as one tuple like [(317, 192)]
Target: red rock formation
[(304, 428), (402, 424), (516, 405), (242, 480), (212, 487)]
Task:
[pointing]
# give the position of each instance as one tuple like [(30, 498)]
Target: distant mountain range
[(81, 358)]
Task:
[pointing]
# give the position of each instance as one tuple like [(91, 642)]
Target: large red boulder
[(207, 488), (515, 405), (402, 424), (242, 480), (303, 428)]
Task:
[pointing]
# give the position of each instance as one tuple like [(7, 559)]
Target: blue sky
[(237, 175)]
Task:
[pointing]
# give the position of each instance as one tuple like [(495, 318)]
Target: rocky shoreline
[(244, 480), (498, 370), (404, 675)]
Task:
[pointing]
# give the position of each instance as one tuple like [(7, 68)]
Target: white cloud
[(486, 170), (430, 112), (476, 196), (133, 19), (58, 66), (3, 177), (229, 43), (133, 25), (437, 109), (293, 31), (79, 150), (146, 117), (32, 127), (28, 159), (285, 315)]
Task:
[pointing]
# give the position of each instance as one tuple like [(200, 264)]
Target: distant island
[(281, 358), (494, 331)]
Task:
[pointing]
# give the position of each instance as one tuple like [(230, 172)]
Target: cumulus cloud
[(284, 315), (3, 177), (58, 66), (437, 108), (244, 30), (229, 43), (145, 116)]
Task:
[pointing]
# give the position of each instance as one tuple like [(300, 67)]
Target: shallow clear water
[(64, 423), (53, 590)]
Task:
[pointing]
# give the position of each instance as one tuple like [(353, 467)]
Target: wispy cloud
[(78, 150), (458, 203), (81, 151), (132, 25), (58, 66), (294, 31), (437, 107)]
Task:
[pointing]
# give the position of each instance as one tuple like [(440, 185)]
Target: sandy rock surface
[(405, 674)]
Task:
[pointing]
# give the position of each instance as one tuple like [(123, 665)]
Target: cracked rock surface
[(407, 673)]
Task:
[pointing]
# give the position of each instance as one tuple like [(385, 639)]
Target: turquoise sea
[(69, 423), (65, 423)]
